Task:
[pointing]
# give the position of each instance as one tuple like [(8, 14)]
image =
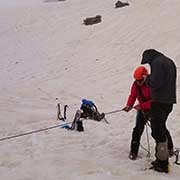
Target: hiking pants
[(159, 113), (137, 131)]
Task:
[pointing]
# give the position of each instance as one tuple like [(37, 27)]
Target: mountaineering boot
[(165, 170), (132, 156), (154, 163), (134, 150), (76, 118), (79, 127), (160, 166)]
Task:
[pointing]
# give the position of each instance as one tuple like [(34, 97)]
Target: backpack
[(89, 110)]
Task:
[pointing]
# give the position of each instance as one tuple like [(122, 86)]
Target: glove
[(137, 107), (127, 108)]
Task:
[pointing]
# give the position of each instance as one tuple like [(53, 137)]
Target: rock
[(92, 20), (121, 4)]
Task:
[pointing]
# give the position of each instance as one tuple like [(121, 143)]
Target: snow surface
[(48, 56)]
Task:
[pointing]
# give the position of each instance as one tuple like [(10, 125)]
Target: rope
[(147, 135), (176, 153), (59, 117), (112, 112), (148, 148), (32, 132)]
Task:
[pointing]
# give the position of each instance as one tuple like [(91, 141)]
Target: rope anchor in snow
[(59, 115)]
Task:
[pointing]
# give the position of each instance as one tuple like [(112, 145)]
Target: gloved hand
[(137, 107), (127, 108)]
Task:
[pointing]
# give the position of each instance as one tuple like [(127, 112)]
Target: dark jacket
[(162, 79)]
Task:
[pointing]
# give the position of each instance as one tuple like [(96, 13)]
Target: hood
[(149, 55)]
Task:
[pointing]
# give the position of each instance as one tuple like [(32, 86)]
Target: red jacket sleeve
[(133, 95), (145, 105)]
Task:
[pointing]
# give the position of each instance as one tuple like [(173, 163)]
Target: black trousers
[(141, 120), (157, 127), (159, 113)]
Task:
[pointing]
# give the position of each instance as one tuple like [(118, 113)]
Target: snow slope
[(48, 56)]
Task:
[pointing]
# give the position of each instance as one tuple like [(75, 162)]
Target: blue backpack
[(90, 110)]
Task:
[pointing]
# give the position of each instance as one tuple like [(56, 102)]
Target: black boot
[(132, 156), (134, 150), (154, 163), (161, 166), (80, 127)]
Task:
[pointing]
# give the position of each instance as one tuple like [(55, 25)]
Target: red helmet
[(140, 72)]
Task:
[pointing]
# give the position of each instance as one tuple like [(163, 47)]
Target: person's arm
[(131, 99), (146, 105)]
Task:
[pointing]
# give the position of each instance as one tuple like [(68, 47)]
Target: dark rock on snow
[(121, 4), (92, 20)]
